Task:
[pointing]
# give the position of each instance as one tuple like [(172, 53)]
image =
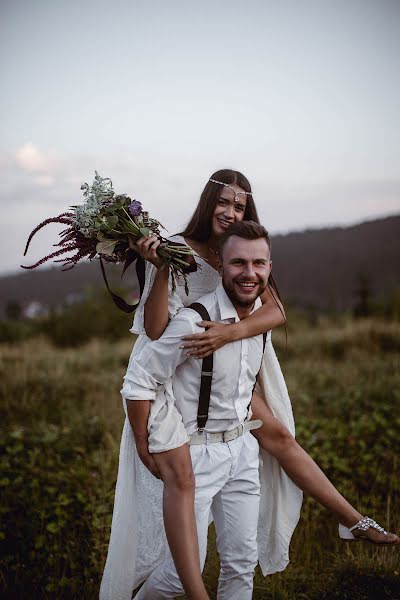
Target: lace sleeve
[(174, 300)]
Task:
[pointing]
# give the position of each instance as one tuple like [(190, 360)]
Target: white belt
[(224, 436)]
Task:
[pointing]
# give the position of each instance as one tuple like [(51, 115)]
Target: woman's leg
[(175, 467), (302, 469)]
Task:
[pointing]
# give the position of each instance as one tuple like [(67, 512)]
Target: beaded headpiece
[(237, 194)]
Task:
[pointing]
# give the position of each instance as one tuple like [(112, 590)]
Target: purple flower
[(135, 208)]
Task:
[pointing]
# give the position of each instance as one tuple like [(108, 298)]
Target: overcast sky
[(303, 97)]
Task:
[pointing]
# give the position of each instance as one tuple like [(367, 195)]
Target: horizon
[(53, 265)]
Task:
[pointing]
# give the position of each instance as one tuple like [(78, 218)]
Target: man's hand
[(147, 458)]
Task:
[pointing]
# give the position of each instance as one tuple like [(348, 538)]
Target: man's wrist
[(141, 438)]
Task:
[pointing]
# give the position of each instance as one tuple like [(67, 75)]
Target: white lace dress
[(137, 542)]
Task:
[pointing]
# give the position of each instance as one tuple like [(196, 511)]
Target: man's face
[(245, 268)]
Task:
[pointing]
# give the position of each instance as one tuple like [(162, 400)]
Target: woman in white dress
[(138, 543)]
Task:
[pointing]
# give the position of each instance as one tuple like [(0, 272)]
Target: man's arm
[(158, 360), (154, 365), (138, 415)]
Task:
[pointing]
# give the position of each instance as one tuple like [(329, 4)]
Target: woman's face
[(229, 209)]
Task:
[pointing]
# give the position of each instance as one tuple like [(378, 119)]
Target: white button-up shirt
[(236, 366)]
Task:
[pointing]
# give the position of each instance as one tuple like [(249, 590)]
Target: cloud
[(31, 159), (44, 180)]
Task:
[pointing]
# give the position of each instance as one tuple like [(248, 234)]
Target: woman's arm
[(156, 306), (267, 317)]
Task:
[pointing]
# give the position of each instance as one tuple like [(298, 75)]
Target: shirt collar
[(226, 308)]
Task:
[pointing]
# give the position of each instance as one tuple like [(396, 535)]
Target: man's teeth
[(247, 284)]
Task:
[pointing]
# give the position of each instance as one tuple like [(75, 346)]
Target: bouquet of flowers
[(103, 226)]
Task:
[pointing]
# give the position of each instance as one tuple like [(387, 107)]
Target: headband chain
[(233, 190)]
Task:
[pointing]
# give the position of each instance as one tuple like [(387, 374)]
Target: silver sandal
[(345, 533)]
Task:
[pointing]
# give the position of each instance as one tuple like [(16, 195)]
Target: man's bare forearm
[(138, 415)]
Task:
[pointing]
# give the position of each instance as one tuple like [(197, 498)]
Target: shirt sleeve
[(158, 360)]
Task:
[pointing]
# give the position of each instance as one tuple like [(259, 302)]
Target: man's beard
[(244, 302)]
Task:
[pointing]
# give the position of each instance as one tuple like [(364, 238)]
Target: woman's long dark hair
[(199, 226)]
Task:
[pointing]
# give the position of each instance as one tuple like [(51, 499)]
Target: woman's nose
[(229, 210)]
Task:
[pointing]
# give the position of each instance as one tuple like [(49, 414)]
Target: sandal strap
[(365, 523)]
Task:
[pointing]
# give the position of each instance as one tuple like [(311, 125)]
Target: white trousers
[(227, 483)]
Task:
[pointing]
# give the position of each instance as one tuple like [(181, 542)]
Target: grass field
[(61, 420)]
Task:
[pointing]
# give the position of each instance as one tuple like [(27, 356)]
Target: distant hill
[(321, 268), (325, 268)]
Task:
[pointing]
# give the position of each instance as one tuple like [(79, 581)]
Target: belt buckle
[(239, 429)]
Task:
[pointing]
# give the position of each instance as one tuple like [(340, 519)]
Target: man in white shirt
[(224, 455)]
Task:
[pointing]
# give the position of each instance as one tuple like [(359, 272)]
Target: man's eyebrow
[(258, 259)]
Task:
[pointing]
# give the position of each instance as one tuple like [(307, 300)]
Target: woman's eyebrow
[(235, 202)]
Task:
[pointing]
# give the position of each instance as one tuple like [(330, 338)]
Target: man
[(224, 455)]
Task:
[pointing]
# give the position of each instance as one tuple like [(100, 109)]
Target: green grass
[(61, 420)]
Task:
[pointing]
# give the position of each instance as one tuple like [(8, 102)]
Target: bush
[(49, 511), (73, 325), (15, 331)]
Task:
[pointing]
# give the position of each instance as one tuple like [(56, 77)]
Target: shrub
[(49, 510)]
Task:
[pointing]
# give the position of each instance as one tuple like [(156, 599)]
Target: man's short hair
[(249, 230)]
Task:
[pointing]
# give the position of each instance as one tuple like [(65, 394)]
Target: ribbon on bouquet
[(140, 274)]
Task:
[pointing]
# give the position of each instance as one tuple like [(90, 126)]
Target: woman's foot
[(368, 530)]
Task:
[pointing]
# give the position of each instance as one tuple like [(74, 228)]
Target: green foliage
[(49, 508), (96, 316), (61, 418), (15, 331)]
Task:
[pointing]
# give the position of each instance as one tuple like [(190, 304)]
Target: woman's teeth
[(223, 222)]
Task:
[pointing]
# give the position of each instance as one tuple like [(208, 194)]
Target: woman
[(226, 198)]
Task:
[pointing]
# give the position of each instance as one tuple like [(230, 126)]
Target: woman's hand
[(147, 246), (203, 344)]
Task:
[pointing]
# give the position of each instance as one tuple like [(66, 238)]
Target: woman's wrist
[(234, 332), (162, 270)]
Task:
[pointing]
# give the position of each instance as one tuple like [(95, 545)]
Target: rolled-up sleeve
[(158, 360)]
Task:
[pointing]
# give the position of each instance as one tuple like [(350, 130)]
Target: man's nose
[(249, 270)]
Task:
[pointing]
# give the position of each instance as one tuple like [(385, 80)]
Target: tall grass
[(61, 420)]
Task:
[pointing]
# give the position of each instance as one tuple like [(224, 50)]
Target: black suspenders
[(207, 372)]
